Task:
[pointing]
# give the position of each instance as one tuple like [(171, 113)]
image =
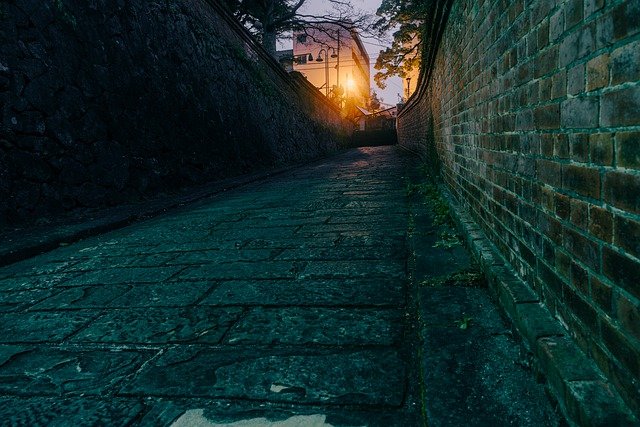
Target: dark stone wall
[(532, 114), (106, 101)]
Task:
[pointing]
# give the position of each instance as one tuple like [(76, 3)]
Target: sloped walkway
[(298, 300)]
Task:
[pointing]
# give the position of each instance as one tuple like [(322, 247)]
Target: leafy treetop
[(406, 18)]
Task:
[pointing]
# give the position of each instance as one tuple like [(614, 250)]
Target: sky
[(373, 46)]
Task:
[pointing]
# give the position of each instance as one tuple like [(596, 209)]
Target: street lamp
[(408, 87), (334, 54)]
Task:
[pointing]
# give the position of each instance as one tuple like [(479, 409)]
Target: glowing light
[(350, 84)]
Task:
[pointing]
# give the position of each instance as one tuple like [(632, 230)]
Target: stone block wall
[(106, 101), (531, 112)]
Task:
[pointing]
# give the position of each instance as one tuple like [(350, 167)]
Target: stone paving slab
[(42, 327), (311, 326), (39, 371), (369, 377), (281, 299), (64, 412), (323, 292), (159, 326)]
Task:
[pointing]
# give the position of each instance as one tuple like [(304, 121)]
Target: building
[(334, 60)]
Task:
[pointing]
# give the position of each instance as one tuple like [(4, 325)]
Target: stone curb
[(26, 243), (583, 393)]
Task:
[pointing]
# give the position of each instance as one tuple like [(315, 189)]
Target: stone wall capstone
[(107, 101)]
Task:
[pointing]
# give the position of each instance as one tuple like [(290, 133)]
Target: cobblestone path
[(284, 299)]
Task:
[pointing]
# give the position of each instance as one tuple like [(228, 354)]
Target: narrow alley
[(292, 300)]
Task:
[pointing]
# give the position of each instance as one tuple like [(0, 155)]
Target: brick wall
[(531, 111), (106, 101)]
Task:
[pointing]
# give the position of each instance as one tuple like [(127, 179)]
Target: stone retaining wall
[(531, 111), (106, 101)]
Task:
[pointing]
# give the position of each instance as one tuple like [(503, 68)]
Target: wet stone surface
[(297, 299), (282, 300)]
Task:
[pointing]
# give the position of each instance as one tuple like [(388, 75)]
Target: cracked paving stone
[(35, 267), (159, 326), (342, 253), (241, 270), (222, 256), (42, 326), (162, 295), (368, 377), (47, 371), (67, 412), (35, 282), (351, 269), (309, 242), (83, 297), (308, 326), (20, 300), (348, 292), (99, 263), (114, 276)]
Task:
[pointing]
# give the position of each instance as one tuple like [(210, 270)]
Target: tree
[(374, 103), (270, 19), (406, 18)]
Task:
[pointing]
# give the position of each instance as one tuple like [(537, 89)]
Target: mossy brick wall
[(532, 113), (104, 101)]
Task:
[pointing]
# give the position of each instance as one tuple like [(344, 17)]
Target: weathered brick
[(581, 309), (579, 147), (561, 146), (563, 206), (581, 179), (581, 112), (626, 18), (621, 108), (579, 278), (547, 63), (543, 35), (602, 294), (551, 279), (628, 149), (601, 148), (547, 117), (579, 213), (627, 235), (622, 190), (584, 249), (601, 223), (622, 270), (556, 25), (563, 264), (592, 6), (551, 228), (524, 120), (586, 40), (598, 72), (549, 172), (569, 49), (573, 12), (575, 79), (628, 314), (625, 63), (559, 85), (619, 346)]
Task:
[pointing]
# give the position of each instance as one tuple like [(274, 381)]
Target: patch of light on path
[(196, 418)]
